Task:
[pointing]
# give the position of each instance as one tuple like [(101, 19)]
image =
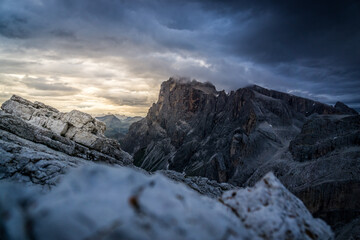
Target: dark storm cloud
[(307, 47), (47, 85), (14, 26)]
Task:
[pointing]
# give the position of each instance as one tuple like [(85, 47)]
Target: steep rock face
[(322, 135), (322, 167), (217, 135), (303, 105), (240, 136), (138, 206)]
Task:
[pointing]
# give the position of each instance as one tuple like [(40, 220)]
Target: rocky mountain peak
[(181, 98), (179, 82), (299, 104), (342, 107), (240, 136)]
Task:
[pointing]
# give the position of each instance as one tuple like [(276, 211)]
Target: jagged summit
[(302, 105), (188, 111), (238, 137), (174, 84)]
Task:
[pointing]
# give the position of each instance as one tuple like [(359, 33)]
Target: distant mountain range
[(117, 126)]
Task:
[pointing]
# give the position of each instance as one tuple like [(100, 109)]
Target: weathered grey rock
[(101, 202), (255, 207), (322, 135), (39, 156), (205, 186), (240, 136), (322, 167), (31, 163), (240, 129), (75, 125)]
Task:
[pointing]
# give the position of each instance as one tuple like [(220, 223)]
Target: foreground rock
[(37, 156), (38, 144), (75, 125), (256, 207), (205, 186), (120, 203)]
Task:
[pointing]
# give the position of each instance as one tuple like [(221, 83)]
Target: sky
[(110, 56)]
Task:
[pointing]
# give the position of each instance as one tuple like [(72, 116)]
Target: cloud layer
[(111, 56)]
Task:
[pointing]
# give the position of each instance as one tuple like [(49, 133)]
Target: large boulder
[(39, 156), (38, 144), (75, 125), (272, 212), (101, 202)]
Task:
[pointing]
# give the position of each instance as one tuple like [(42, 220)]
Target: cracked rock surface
[(269, 196), (102, 202), (76, 126), (238, 137), (33, 149), (202, 185)]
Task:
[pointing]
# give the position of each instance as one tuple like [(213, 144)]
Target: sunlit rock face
[(39, 143), (240, 136), (75, 125), (101, 202)]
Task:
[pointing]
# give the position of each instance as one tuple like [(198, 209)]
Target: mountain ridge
[(239, 136)]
